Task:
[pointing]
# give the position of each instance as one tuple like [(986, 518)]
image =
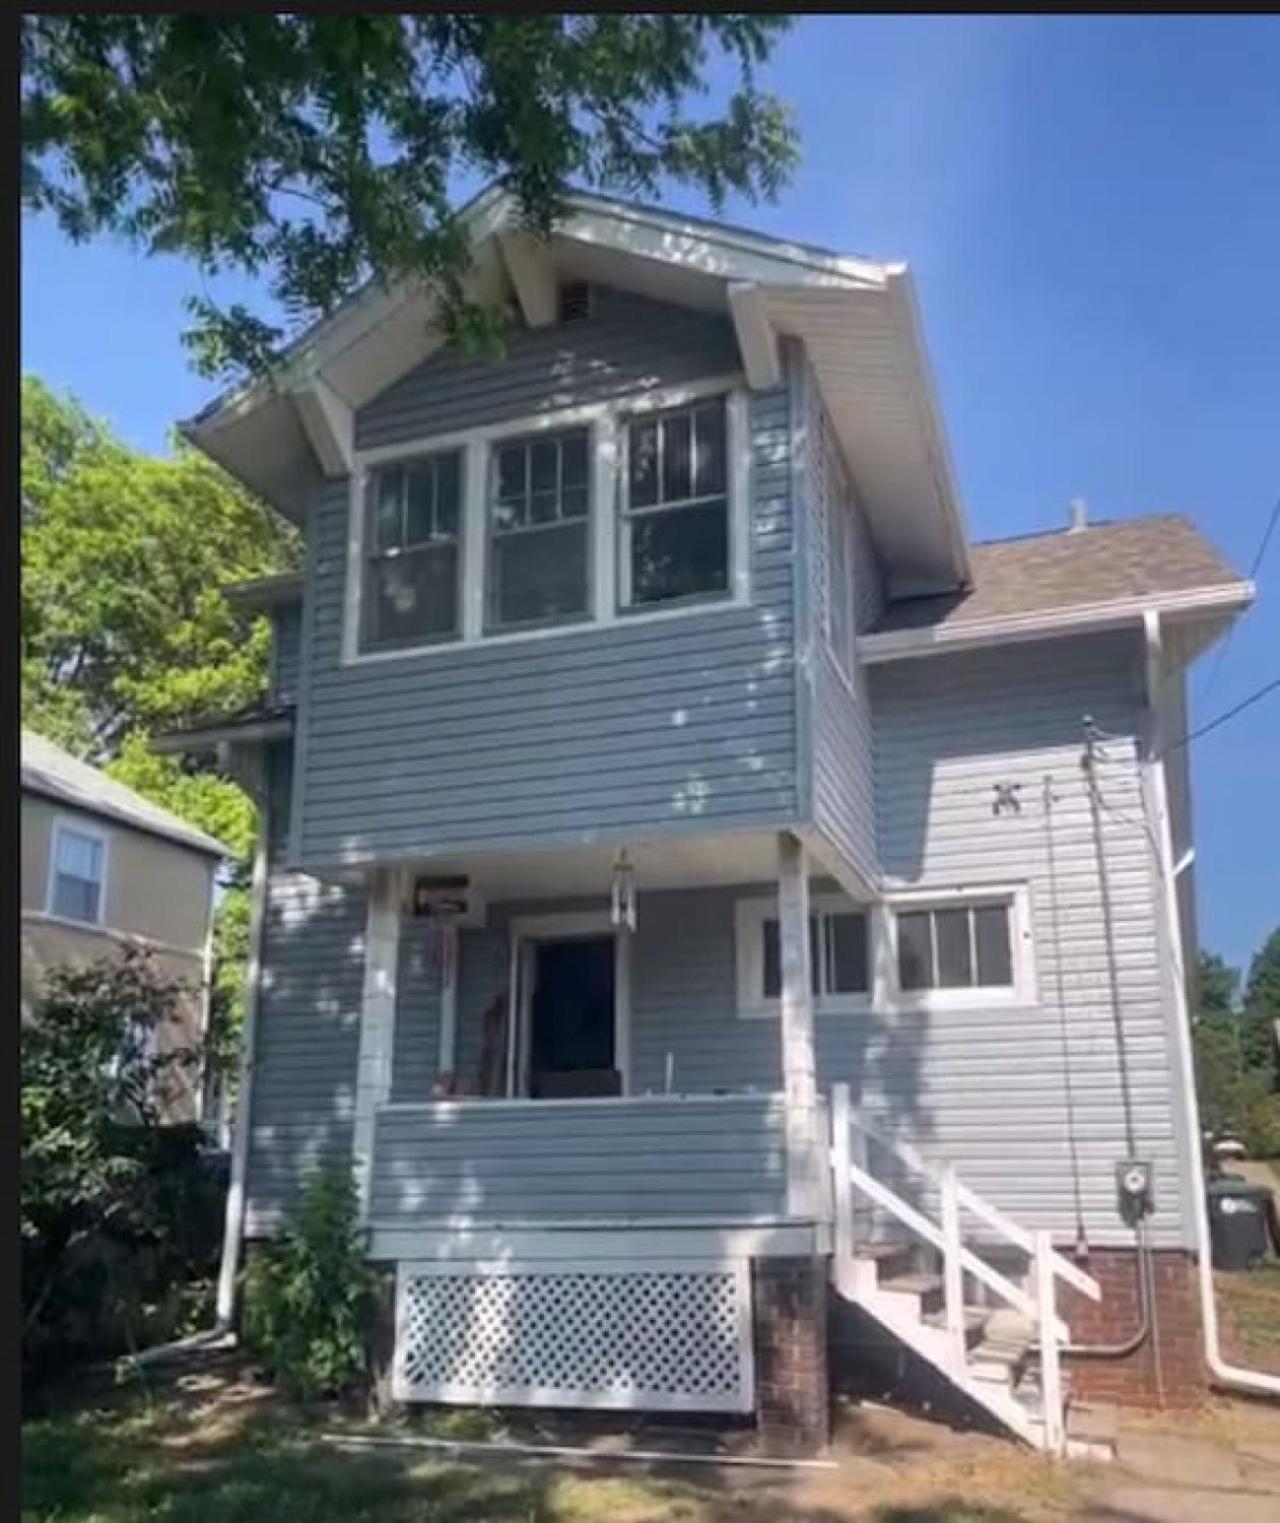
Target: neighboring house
[(665, 797), (104, 868)]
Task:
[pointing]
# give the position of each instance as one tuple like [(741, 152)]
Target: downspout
[(1154, 778), (233, 1229)]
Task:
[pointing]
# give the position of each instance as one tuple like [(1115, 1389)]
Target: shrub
[(309, 1299)]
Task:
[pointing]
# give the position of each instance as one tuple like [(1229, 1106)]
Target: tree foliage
[(318, 151), (1235, 1049), (308, 1297)]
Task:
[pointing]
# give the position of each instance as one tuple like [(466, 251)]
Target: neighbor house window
[(839, 954), (965, 946), (412, 551), (539, 530), (675, 511), (78, 875)]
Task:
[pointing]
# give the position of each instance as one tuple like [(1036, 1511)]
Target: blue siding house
[(710, 902)]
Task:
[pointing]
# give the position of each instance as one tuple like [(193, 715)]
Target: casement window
[(412, 551), (675, 506), (961, 949), (839, 954), (78, 871), (539, 540)]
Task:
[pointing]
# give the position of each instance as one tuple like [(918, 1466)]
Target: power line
[(1253, 571), (1245, 703)]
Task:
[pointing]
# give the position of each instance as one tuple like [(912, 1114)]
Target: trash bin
[(1238, 1222)]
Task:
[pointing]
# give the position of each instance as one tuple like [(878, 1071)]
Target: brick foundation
[(1168, 1370), (789, 1301)]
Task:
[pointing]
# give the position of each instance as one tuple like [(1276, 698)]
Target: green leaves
[(1238, 1076), (319, 150)]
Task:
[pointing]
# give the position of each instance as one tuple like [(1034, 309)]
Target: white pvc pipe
[(1227, 1374)]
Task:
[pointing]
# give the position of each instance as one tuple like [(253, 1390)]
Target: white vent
[(575, 301), (661, 1338)]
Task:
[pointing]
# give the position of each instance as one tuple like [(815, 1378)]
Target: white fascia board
[(901, 288), (905, 644), (757, 341), (532, 274)]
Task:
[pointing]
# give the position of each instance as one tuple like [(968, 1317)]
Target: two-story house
[(698, 880), (104, 868)]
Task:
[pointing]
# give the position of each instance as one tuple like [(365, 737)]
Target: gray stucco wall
[(680, 724)]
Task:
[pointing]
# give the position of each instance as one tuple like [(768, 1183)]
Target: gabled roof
[(52, 772), (1088, 577), (857, 318)]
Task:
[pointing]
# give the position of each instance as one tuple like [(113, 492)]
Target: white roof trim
[(938, 639)]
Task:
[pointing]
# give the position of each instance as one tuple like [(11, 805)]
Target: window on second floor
[(77, 874), (631, 508), (412, 561), (675, 511), (539, 544)]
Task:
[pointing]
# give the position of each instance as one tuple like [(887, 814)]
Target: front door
[(571, 1019)]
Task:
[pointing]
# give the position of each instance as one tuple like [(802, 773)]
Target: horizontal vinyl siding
[(684, 723), (626, 345), (988, 1089), (307, 1028), (286, 652), (841, 750), (566, 1161)]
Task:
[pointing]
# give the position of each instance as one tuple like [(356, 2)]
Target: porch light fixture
[(622, 902)]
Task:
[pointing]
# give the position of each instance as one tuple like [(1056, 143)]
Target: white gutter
[(904, 644), (233, 1229), (1154, 786)]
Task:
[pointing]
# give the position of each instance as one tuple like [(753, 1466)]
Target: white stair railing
[(852, 1177)]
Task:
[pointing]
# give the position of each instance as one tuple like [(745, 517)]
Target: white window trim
[(606, 421), (1022, 994), (76, 826), (749, 916)]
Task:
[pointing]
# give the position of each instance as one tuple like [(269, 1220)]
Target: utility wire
[(1253, 571), (1245, 703)]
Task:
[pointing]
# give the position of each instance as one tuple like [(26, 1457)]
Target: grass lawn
[(1252, 1302), (211, 1447)]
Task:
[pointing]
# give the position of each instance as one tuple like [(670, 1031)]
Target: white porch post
[(377, 1023), (799, 1069)]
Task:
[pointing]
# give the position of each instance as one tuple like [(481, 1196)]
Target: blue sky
[(1092, 210)]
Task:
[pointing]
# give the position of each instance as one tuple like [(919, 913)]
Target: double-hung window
[(675, 506), (412, 560), (539, 531), (78, 876), (839, 955)]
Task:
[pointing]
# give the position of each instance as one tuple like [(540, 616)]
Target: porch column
[(377, 1023), (799, 1068)]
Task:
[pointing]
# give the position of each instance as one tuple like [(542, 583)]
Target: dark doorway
[(571, 1013)]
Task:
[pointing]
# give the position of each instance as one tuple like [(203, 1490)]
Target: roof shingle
[(1042, 573)]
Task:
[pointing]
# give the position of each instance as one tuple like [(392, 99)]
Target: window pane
[(388, 488), (419, 521), (677, 457), (915, 956), (538, 576), (573, 459), (542, 508), (76, 898), (448, 493), (415, 595), (642, 454), (79, 856), (772, 979), (573, 502), (995, 954), (954, 965), (511, 471), (708, 458), (847, 954), (543, 458), (680, 553)]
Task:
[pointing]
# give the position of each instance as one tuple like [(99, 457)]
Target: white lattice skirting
[(662, 1337)]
